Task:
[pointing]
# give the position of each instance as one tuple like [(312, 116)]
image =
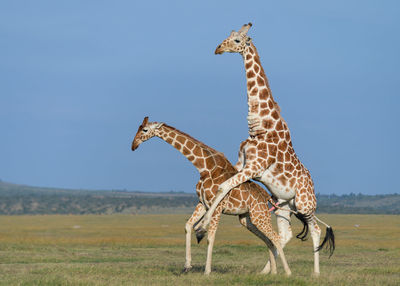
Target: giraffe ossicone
[(248, 201), (268, 155)]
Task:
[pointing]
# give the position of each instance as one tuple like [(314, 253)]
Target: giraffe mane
[(201, 144)]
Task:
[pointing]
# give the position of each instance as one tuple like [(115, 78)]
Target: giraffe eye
[(237, 41), (145, 130)]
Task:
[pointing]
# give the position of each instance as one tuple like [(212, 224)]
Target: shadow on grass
[(179, 271), (230, 276)]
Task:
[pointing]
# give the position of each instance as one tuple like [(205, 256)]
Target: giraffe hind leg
[(284, 227), (262, 221), (329, 239), (271, 265), (315, 235)]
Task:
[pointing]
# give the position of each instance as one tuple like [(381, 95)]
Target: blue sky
[(77, 78)]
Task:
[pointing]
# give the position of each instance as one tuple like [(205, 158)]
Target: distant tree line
[(20, 200), (89, 204)]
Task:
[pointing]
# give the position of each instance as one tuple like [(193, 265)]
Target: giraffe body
[(249, 201), (286, 180), (268, 155)]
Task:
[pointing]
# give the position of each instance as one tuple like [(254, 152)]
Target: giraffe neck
[(195, 151), (262, 106)]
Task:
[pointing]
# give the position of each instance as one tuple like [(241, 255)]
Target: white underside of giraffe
[(267, 178), (275, 186)]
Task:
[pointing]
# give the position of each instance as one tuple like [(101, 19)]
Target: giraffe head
[(236, 42), (145, 131)]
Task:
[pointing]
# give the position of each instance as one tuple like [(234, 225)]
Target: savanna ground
[(149, 250)]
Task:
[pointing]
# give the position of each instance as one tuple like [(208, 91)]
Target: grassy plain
[(149, 250)]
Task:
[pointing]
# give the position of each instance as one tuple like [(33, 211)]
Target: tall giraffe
[(249, 201), (268, 155)]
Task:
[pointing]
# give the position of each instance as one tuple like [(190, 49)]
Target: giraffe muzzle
[(218, 50), (134, 146)]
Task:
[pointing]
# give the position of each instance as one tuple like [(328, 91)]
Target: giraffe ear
[(158, 125), (245, 28)]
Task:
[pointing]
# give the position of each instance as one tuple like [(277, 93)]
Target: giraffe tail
[(302, 235), (329, 239)]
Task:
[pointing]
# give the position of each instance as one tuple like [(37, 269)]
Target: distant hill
[(20, 199), (359, 204)]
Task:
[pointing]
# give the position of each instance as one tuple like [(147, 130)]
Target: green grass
[(149, 250)]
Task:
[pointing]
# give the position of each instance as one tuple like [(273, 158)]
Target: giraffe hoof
[(200, 232), (187, 269)]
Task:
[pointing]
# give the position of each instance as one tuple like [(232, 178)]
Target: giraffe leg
[(246, 222), (272, 255), (211, 237), (260, 219), (270, 267), (315, 235), (284, 228), (283, 258), (197, 214)]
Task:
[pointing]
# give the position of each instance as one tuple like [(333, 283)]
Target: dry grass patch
[(149, 250)]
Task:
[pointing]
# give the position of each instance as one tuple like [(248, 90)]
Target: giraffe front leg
[(225, 187), (211, 237), (197, 214)]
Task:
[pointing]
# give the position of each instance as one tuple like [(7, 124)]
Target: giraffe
[(248, 201), (268, 155)]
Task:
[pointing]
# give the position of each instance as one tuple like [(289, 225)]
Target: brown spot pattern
[(250, 84), (268, 123), (250, 74), (275, 115), (263, 94)]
